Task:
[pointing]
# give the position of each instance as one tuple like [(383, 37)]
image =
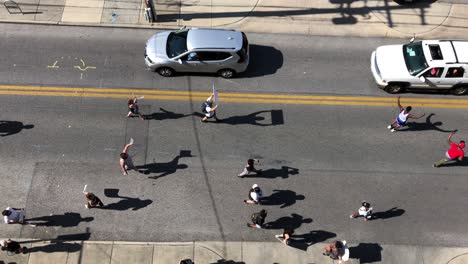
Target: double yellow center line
[(230, 97)]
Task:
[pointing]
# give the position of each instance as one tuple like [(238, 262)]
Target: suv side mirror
[(422, 78)]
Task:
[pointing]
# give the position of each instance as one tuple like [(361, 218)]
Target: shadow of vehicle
[(264, 60)]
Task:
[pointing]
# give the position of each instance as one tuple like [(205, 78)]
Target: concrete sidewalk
[(71, 252), (377, 18)]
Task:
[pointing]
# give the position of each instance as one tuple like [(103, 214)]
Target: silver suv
[(426, 64), (225, 52)]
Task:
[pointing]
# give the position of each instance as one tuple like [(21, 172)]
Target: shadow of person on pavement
[(66, 220), (126, 203), (165, 168), (223, 261), (283, 172), (393, 212), (8, 128), (366, 252), (164, 114), (55, 247), (303, 241), (428, 125), (254, 119), (284, 198), (290, 222)]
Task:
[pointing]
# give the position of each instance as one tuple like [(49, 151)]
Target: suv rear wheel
[(394, 88), (165, 71), (459, 90), (226, 73)]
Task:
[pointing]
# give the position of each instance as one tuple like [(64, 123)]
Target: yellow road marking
[(230, 97)]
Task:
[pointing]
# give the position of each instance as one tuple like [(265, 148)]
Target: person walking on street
[(250, 168), (286, 236), (126, 162), (454, 153), (13, 215), (258, 219), (134, 109), (365, 211), (401, 119), (255, 194), (208, 109), (93, 200), (12, 247), (337, 250)]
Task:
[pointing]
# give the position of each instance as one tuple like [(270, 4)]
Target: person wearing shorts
[(210, 111), (454, 153), (402, 118), (126, 162)]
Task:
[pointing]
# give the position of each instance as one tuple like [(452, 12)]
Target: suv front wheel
[(460, 90), (165, 71), (226, 73), (394, 88)]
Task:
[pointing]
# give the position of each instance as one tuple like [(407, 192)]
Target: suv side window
[(433, 72), (213, 55), (455, 72)]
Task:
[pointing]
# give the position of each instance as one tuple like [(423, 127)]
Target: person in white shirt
[(255, 195), (365, 211), (403, 116), (13, 215)]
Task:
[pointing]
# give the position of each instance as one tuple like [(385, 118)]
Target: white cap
[(254, 186), (3, 243)]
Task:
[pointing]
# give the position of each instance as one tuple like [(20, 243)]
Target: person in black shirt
[(250, 168), (258, 219)]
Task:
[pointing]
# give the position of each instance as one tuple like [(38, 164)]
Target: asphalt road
[(336, 155)]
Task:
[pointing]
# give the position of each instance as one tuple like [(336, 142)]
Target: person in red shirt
[(454, 153)]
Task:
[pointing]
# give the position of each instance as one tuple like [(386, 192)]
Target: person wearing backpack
[(258, 219), (208, 109)]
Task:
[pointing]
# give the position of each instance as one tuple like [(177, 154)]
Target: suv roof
[(199, 38), (441, 52)]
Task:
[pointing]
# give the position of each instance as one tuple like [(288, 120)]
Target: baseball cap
[(461, 145), (254, 186)]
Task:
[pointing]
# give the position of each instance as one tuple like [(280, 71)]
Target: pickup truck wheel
[(460, 90), (394, 88)]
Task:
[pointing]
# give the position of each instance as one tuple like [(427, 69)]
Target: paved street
[(190, 191), (321, 156)]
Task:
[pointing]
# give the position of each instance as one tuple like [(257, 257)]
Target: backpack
[(204, 105)]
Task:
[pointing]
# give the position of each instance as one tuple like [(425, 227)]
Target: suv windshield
[(414, 57), (176, 43)]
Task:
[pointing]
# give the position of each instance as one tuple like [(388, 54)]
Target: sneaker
[(351, 216), (248, 225), (86, 206), (392, 130), (389, 127), (434, 166)]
